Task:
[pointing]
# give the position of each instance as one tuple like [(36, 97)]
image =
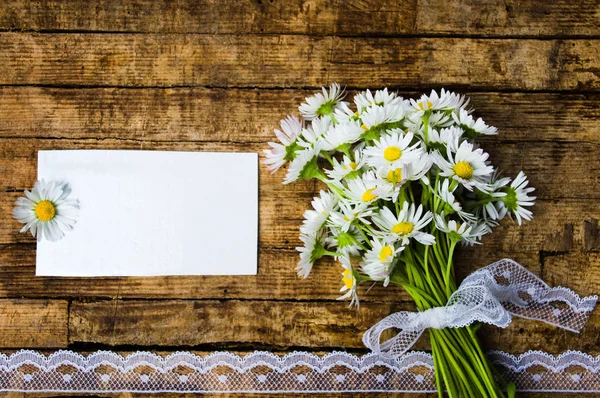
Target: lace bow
[(492, 295)]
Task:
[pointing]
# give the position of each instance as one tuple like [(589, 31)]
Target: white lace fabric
[(108, 372), (492, 295)]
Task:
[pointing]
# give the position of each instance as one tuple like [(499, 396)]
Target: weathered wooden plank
[(33, 323), (296, 61), (199, 114), (575, 270), (535, 18), (276, 279), (314, 324), (320, 17)]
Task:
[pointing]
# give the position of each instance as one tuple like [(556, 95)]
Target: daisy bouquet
[(404, 183)]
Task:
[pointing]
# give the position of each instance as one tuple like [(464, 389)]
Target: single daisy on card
[(47, 211)]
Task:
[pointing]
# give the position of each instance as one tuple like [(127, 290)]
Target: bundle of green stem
[(461, 367), (406, 183)]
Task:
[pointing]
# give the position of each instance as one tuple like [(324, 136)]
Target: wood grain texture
[(316, 17), (250, 115), (283, 324), (193, 323), (296, 61), (276, 280), (33, 323), (217, 76), (578, 271)]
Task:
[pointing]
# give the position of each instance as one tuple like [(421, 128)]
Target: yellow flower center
[(348, 279), (364, 127), (395, 176), (463, 170), (392, 153), (368, 195), (403, 228), (385, 253), (422, 107), (353, 165), (45, 210)]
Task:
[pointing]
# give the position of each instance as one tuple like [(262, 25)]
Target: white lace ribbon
[(107, 372), (492, 295)]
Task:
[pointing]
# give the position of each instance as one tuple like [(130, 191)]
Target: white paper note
[(149, 213)]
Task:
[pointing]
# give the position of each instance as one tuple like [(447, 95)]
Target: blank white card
[(145, 213)]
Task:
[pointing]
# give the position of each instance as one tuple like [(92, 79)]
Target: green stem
[(448, 269), (441, 370), (430, 281), (437, 366), (328, 157), (455, 353), (483, 359), (451, 363), (360, 229)]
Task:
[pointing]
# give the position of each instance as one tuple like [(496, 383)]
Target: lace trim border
[(260, 371)]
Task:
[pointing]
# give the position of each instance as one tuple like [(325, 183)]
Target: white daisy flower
[(46, 211), (517, 198), (347, 168), (493, 210), (467, 166), (314, 133), (382, 97), (417, 170), (313, 249), (344, 114), (367, 189), (342, 134), (478, 230), (279, 154), (348, 213), (415, 121), (314, 219), (407, 225), (472, 127), (439, 119), (348, 243), (393, 151), (447, 136), (445, 101), (443, 191), (378, 262), (377, 115), (464, 232), (414, 171), (322, 104), (304, 164), (350, 282)]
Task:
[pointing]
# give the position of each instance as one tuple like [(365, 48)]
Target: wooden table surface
[(218, 76)]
